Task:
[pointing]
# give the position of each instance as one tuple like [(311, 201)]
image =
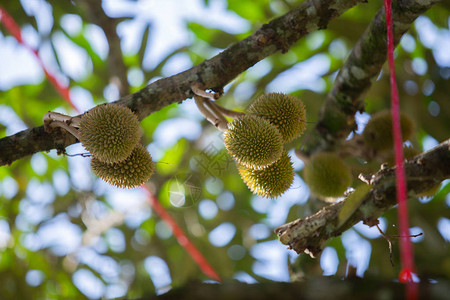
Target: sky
[(18, 67)]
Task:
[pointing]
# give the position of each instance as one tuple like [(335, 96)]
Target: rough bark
[(422, 173), (215, 73), (313, 288), (337, 117)]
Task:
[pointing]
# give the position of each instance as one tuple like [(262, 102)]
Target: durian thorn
[(199, 91), (218, 121), (228, 112)]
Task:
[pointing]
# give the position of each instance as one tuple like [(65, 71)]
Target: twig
[(387, 238)]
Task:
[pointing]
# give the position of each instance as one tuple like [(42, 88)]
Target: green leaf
[(352, 202)]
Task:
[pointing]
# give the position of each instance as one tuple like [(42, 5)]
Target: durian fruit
[(286, 112), (129, 173), (109, 132), (327, 175), (272, 181), (253, 141), (378, 132)]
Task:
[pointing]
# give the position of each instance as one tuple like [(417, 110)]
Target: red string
[(14, 29), (406, 252), (182, 239)]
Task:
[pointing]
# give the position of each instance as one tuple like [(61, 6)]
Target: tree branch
[(337, 116), (215, 73), (423, 172), (116, 65)]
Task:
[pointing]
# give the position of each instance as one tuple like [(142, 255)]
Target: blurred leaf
[(351, 203)]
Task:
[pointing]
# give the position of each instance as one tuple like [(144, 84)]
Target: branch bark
[(215, 73), (422, 172), (312, 288), (337, 116)]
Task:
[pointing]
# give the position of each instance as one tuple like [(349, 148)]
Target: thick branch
[(423, 172), (215, 73), (337, 117)]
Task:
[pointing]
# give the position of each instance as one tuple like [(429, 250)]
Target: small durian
[(327, 175), (129, 173), (253, 141), (286, 112), (272, 181), (378, 132), (109, 132)]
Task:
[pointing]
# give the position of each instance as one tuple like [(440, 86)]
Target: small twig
[(79, 154), (388, 239)]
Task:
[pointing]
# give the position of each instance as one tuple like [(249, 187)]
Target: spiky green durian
[(253, 141), (327, 175), (272, 181), (378, 132), (129, 173), (284, 111), (109, 132)]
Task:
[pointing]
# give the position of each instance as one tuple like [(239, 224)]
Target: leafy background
[(65, 234)]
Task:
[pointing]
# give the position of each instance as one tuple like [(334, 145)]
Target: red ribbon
[(406, 252)]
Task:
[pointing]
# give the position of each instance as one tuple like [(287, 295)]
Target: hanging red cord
[(14, 29), (182, 239), (406, 252)]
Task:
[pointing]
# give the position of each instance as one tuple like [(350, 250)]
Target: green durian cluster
[(111, 133), (256, 141)]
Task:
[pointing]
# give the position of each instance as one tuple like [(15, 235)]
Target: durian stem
[(212, 111), (68, 128), (53, 120), (196, 88), (52, 117), (223, 123), (75, 122), (209, 115), (228, 112)]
